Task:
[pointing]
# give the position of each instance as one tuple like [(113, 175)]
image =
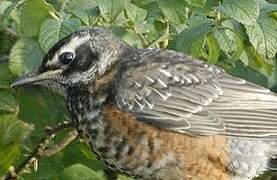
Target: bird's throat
[(86, 111), (85, 106)]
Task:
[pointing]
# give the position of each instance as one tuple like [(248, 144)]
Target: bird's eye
[(66, 57)]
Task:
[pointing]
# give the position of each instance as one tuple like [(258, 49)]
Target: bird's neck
[(85, 106)]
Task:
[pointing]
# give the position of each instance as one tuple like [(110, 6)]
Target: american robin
[(159, 114)]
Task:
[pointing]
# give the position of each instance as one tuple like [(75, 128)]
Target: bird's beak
[(33, 78)]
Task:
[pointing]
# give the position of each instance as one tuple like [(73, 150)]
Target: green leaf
[(213, 49), (8, 156), (81, 9), (173, 10), (83, 15), (230, 40), (121, 177), (263, 36), (12, 133), (245, 11), (190, 39), (129, 36), (53, 30), (4, 5), (266, 8), (8, 102), (136, 14), (40, 107), (80, 4), (154, 12), (6, 40), (249, 74), (206, 8), (196, 3), (32, 14), (143, 3), (244, 58), (5, 76), (76, 171), (258, 63), (226, 42), (12, 12), (111, 8), (25, 56)]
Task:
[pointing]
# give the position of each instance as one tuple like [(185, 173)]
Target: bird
[(157, 113)]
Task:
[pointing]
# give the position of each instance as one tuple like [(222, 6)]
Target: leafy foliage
[(240, 36), (77, 170), (13, 132), (245, 12), (52, 30), (25, 56), (31, 14)]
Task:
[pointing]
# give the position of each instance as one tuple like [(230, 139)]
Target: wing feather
[(175, 93)]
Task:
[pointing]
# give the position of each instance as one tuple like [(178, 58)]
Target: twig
[(61, 145), (52, 130), (40, 150), (14, 173), (11, 32)]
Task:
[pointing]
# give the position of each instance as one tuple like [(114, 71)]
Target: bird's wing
[(193, 97)]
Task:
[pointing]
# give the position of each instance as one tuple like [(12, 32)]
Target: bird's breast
[(125, 148), (138, 149), (133, 147)]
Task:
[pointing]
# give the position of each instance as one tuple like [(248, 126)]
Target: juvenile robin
[(159, 114)]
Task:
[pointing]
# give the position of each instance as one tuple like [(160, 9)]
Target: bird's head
[(77, 59)]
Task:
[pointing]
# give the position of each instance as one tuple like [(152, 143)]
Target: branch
[(53, 130), (61, 145), (41, 150), (11, 32)]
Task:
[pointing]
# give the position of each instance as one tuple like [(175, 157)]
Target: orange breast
[(184, 156)]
